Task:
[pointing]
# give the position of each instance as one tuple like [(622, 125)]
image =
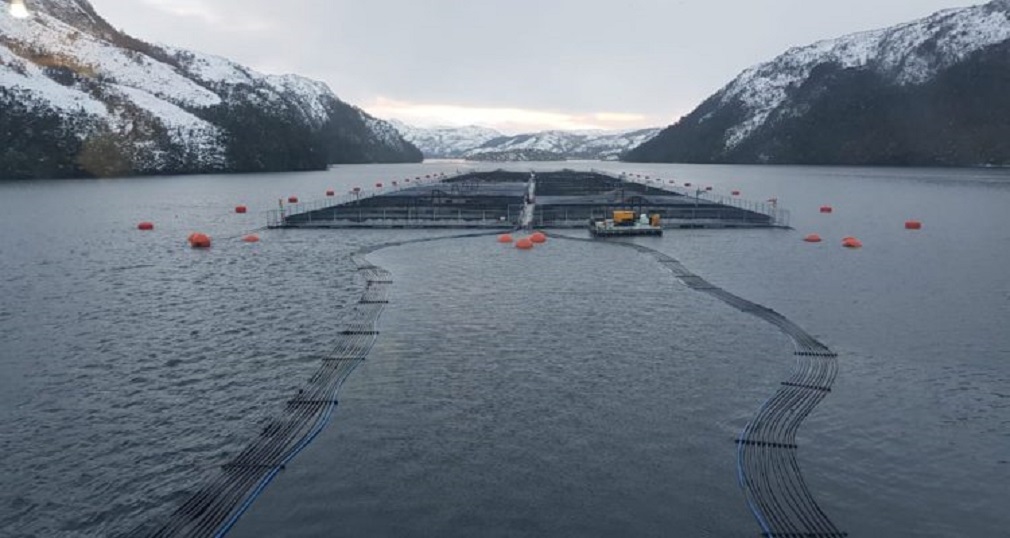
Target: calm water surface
[(574, 390)]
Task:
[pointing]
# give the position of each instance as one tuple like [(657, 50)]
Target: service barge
[(624, 224), (508, 200)]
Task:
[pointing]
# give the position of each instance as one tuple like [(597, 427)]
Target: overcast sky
[(516, 65)]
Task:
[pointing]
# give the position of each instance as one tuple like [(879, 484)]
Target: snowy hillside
[(912, 59), (445, 142), (911, 53), (480, 143), (110, 104), (598, 145)]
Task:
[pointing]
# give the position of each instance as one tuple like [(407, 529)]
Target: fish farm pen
[(507, 200)]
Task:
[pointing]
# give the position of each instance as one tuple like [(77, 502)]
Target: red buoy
[(708, 188), (913, 225), (241, 209), (378, 185), (251, 238), (199, 240), (407, 180), (356, 190), (851, 242), (146, 226), (736, 193), (672, 182), (394, 183), (687, 184), (524, 244), (292, 199), (538, 237), (827, 209), (812, 238), (330, 193), (505, 238)]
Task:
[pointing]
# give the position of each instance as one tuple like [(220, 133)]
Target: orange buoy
[(251, 238), (827, 209), (913, 225), (812, 238), (735, 193), (538, 237), (851, 242), (505, 238), (199, 240), (241, 209), (524, 244), (292, 199), (330, 193), (146, 226)]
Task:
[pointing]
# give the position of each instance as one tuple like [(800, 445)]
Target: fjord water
[(575, 389)]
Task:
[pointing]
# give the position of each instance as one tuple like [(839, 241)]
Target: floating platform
[(507, 200)]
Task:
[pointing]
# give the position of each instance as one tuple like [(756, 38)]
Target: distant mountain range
[(482, 144), (929, 92), (80, 98), (445, 142)]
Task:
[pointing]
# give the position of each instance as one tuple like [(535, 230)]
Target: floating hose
[(767, 468)]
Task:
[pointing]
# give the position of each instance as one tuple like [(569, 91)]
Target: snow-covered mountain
[(80, 98), (481, 143), (445, 142), (599, 145), (931, 91)]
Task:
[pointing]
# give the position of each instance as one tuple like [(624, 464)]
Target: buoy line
[(767, 468)]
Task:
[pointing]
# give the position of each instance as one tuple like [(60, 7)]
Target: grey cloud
[(655, 57)]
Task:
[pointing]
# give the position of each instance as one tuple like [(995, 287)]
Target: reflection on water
[(569, 389)]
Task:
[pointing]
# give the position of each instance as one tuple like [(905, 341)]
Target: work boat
[(624, 223)]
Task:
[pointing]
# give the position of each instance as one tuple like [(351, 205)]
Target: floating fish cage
[(503, 200)]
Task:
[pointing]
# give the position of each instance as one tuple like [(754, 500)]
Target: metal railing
[(277, 218), (779, 217), (352, 216)]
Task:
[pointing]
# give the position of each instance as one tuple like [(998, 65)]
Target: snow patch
[(44, 90), (184, 128)]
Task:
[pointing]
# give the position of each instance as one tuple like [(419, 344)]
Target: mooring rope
[(767, 468)]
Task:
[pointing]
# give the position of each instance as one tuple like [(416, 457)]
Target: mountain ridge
[(480, 143), (886, 96), (82, 99)]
